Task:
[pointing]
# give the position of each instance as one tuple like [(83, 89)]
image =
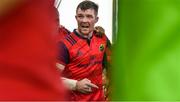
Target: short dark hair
[(87, 4)]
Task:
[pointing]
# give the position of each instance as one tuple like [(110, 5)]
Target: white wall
[(67, 11)]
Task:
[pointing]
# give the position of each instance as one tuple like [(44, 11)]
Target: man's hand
[(85, 85), (99, 31), (7, 5)]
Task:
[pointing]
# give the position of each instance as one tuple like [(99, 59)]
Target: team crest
[(101, 47)]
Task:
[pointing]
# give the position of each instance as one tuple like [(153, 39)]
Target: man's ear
[(75, 17), (97, 18)]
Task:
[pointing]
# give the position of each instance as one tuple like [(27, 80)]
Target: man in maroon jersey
[(81, 56), (28, 51)]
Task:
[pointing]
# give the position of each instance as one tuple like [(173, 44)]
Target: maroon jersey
[(83, 58)]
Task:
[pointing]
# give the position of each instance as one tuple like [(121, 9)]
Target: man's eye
[(89, 16), (80, 16)]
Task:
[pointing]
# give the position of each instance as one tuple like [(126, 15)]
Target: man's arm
[(69, 83), (106, 68), (83, 86), (7, 5)]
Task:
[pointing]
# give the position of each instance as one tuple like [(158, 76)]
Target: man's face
[(86, 20)]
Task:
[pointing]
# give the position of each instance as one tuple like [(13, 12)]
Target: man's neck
[(88, 36)]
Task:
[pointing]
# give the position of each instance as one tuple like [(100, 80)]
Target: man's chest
[(92, 51)]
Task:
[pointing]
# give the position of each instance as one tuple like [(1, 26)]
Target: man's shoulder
[(69, 40)]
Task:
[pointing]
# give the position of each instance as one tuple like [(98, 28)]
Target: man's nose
[(85, 19)]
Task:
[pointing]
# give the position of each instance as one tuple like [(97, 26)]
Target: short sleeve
[(63, 54)]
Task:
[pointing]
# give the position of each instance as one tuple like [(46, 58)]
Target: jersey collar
[(82, 36)]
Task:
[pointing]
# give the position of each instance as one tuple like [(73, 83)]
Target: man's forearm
[(69, 83)]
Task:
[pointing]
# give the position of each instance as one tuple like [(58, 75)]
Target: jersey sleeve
[(63, 54)]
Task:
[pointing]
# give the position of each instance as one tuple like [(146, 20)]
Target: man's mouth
[(85, 26)]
